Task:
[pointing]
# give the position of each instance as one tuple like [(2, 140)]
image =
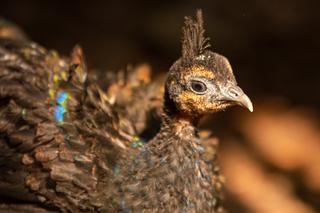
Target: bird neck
[(176, 129), (178, 124), (170, 172), (172, 117), (174, 159)]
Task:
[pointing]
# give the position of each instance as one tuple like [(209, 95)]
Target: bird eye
[(198, 87)]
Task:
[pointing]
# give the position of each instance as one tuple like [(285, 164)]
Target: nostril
[(234, 93)]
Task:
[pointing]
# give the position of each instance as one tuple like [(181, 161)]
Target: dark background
[(273, 45), (271, 157)]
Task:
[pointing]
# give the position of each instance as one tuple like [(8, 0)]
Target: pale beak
[(245, 102), (237, 96)]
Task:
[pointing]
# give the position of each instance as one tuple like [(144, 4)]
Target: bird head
[(201, 81)]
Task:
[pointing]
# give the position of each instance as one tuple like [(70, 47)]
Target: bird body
[(170, 174), (65, 146), (59, 135)]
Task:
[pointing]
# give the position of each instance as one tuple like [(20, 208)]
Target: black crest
[(193, 41)]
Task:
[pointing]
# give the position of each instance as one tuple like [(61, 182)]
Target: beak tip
[(246, 102)]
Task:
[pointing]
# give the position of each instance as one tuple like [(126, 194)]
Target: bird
[(66, 146), (137, 95)]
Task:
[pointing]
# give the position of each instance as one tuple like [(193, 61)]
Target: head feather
[(194, 42)]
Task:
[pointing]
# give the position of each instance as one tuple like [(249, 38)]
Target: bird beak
[(237, 96)]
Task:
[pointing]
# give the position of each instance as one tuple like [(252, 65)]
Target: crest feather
[(193, 41)]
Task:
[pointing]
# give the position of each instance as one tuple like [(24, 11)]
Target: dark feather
[(67, 145), (193, 41)]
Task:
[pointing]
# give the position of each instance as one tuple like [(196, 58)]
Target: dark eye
[(198, 87)]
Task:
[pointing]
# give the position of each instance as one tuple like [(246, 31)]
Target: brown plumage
[(137, 96), (171, 174), (66, 147)]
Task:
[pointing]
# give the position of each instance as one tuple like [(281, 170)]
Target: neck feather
[(173, 117), (170, 172)]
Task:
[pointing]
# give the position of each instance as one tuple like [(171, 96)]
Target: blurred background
[(270, 158)]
